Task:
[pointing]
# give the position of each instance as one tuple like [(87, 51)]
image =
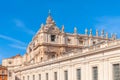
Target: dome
[(49, 20)]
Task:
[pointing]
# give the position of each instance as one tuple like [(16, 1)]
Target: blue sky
[(20, 19)]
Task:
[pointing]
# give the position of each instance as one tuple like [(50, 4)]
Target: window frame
[(116, 70), (66, 75), (33, 77), (39, 76), (78, 78), (23, 77), (47, 76), (52, 37), (55, 76), (28, 78), (95, 74)]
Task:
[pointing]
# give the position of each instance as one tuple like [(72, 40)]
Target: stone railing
[(101, 46)]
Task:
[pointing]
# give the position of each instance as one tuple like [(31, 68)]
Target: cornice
[(57, 45), (68, 57)]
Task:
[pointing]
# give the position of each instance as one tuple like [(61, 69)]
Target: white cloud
[(18, 46), (15, 43), (12, 39), (21, 25), (109, 24)]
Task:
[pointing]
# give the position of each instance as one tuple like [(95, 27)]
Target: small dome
[(49, 20)]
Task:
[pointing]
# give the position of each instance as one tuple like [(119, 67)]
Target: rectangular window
[(33, 77), (28, 78), (116, 71), (39, 76), (55, 75), (65, 75), (10, 74), (95, 73), (46, 76), (52, 38), (2, 72), (78, 74), (16, 78), (23, 78)]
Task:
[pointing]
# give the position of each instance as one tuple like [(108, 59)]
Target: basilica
[(54, 54)]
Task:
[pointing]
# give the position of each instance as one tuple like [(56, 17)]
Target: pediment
[(53, 30)]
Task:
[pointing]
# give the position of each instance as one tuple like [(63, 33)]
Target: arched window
[(33, 77), (80, 42), (41, 58), (69, 40), (28, 77), (94, 42), (23, 77), (10, 62), (39, 76), (53, 38), (53, 56)]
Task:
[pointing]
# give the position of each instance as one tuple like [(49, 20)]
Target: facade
[(3, 73), (56, 55), (11, 64)]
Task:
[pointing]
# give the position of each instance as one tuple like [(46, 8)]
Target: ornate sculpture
[(102, 34), (86, 31), (113, 36), (106, 35), (90, 32), (97, 34), (63, 28), (75, 30)]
